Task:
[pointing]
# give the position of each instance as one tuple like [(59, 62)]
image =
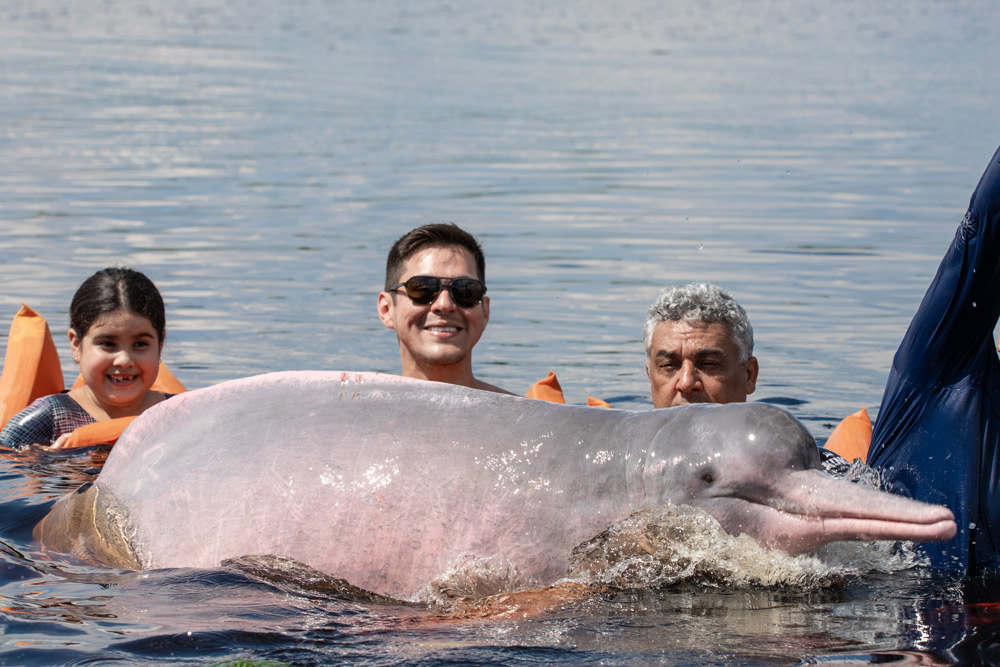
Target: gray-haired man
[(699, 347)]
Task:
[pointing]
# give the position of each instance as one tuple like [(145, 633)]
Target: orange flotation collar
[(851, 438), (31, 365), (548, 389)]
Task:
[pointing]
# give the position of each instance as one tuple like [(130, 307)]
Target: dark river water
[(257, 159)]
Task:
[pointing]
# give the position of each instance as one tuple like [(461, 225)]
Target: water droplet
[(701, 246)]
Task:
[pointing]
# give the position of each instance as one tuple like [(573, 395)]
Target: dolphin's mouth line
[(805, 532), (812, 509), (814, 494), (846, 514)]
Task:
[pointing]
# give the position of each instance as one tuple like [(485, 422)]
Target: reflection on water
[(257, 159), (259, 169)]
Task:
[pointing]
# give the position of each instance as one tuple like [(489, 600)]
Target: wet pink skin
[(385, 481)]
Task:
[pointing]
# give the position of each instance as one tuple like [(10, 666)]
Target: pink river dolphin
[(384, 481)]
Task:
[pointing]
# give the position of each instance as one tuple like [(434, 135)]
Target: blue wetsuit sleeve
[(934, 436), (960, 309)]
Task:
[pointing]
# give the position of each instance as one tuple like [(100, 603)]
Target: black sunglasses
[(424, 290)]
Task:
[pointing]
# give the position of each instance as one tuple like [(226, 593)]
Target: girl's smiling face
[(119, 358)]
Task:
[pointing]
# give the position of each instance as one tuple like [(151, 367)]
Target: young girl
[(117, 325)]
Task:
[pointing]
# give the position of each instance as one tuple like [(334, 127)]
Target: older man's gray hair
[(701, 302)]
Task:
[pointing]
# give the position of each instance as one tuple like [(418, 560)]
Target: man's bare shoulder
[(485, 386)]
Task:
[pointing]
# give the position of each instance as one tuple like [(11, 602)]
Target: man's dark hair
[(435, 234)]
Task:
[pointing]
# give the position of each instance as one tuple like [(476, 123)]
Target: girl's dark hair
[(114, 289)]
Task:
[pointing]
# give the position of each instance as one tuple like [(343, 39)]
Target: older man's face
[(697, 363)]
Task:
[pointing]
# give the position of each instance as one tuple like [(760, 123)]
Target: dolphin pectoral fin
[(84, 525), (528, 603)]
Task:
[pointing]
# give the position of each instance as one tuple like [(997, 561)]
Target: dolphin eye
[(707, 478)]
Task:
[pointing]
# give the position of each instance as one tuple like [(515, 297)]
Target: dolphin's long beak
[(809, 508)]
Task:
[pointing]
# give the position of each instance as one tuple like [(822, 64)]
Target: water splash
[(472, 578), (655, 548)]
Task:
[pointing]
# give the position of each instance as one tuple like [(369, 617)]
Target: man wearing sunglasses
[(435, 300), (699, 347)]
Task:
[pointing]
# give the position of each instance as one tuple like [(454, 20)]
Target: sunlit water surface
[(257, 159)]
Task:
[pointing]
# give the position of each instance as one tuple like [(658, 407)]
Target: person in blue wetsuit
[(937, 435)]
